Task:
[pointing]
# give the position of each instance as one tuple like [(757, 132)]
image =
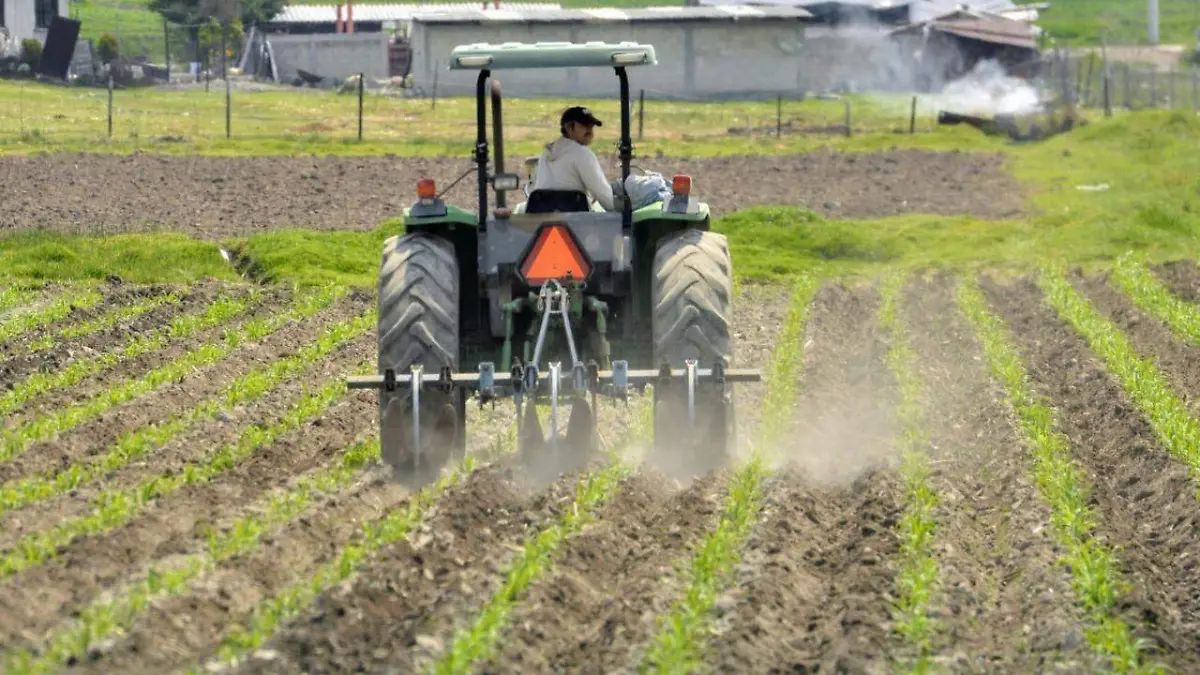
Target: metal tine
[(690, 365), (555, 369), (417, 381)]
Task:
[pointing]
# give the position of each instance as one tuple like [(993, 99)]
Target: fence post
[(641, 112), (228, 108), (1171, 89), (847, 102), (110, 101), (1153, 87), (1128, 96), (433, 103), (167, 47), (912, 117), (1195, 91), (778, 115), (361, 77)]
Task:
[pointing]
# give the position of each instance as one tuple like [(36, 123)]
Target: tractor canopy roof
[(551, 55)]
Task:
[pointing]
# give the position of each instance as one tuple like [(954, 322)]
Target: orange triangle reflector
[(554, 256)]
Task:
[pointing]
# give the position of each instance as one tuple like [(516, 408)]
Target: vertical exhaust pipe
[(498, 137)]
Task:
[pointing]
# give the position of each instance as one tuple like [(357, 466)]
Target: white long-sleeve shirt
[(567, 165)]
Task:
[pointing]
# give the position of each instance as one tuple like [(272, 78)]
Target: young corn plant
[(105, 321), (1064, 488), (679, 642), (1151, 296), (145, 439), (80, 298), (113, 508), (918, 575), (1149, 389), (17, 441)]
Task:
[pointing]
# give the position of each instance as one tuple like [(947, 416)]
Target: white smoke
[(987, 90)]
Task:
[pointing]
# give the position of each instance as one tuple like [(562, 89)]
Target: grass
[(36, 117), (679, 644), (1178, 431), (1085, 22), (161, 257), (143, 440), (917, 578), (1092, 564)]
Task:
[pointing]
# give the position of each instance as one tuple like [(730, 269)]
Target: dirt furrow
[(1181, 276), (1008, 606), (94, 384), (813, 591), (597, 611), (1145, 501), (190, 447), (1151, 339), (32, 599), (398, 609), (115, 294), (21, 364), (97, 435)]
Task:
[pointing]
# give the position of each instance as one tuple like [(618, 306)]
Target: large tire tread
[(693, 299)]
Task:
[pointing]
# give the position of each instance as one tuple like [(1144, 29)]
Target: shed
[(949, 46), (703, 52)]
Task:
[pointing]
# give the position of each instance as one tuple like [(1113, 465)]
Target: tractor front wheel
[(693, 306), (418, 324)]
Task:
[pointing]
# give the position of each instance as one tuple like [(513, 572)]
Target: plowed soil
[(813, 591), (213, 197), (1144, 499)]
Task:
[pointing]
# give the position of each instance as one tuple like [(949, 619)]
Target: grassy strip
[(108, 320), (19, 440), (917, 577), (221, 310), (145, 439), (1178, 431), (1064, 488), (114, 508), (678, 645), (1148, 293), (64, 304)]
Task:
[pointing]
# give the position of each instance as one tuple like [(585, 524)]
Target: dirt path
[(1007, 604), (215, 197), (812, 593), (1145, 501)]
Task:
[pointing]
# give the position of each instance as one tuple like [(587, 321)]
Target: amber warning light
[(426, 189), (681, 185), (554, 256)]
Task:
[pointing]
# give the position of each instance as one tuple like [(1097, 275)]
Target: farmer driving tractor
[(568, 165)]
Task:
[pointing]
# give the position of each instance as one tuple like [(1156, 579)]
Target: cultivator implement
[(687, 401)]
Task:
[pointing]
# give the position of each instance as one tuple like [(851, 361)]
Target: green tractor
[(565, 287)]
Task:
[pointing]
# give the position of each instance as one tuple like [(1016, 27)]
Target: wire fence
[(360, 110)]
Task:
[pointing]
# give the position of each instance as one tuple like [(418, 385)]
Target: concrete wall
[(19, 18), (334, 55), (694, 58)]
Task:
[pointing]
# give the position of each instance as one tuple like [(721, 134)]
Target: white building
[(23, 19)]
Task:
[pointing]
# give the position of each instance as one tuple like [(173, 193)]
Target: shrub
[(107, 48), (31, 52)]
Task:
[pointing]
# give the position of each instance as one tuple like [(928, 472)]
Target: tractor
[(532, 302)]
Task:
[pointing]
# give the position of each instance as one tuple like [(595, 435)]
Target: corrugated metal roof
[(613, 15), (979, 26), (400, 12)]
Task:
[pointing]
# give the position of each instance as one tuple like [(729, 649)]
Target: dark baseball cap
[(579, 114)]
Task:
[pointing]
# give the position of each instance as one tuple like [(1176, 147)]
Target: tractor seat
[(557, 201)]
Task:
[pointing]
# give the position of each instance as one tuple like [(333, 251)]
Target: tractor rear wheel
[(418, 324), (693, 306)]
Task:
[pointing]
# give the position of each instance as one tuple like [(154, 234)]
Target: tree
[(197, 12)]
